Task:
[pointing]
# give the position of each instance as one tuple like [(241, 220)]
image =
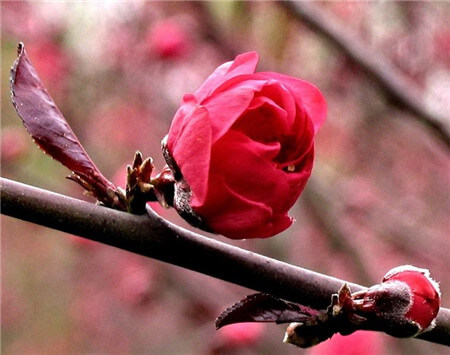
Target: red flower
[(242, 149)]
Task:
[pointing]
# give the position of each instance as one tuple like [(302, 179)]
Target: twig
[(398, 88), (152, 236)]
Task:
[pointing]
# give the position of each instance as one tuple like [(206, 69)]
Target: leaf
[(262, 307), (50, 130)]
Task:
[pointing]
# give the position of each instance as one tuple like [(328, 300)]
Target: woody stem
[(154, 237)]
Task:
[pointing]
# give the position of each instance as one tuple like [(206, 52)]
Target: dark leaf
[(50, 131), (262, 307)]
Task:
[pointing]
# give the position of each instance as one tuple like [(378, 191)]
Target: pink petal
[(306, 93), (246, 226), (282, 97), (243, 64), (264, 121), (235, 217), (181, 119), (298, 145), (225, 107), (194, 140), (249, 171)]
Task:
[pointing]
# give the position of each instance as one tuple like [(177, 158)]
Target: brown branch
[(152, 236), (397, 87)]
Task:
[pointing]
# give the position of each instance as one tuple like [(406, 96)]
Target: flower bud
[(425, 296), (405, 304)]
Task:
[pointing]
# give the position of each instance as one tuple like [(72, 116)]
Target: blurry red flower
[(441, 47), (244, 145), (52, 63), (13, 143), (168, 39), (119, 122), (240, 334), (358, 343), (83, 243), (135, 279)]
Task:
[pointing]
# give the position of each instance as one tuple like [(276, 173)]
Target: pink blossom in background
[(83, 243), (241, 334), (52, 63), (14, 144), (135, 279), (119, 124), (358, 343), (168, 39), (441, 46)]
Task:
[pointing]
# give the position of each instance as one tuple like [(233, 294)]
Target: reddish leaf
[(262, 307), (51, 132)]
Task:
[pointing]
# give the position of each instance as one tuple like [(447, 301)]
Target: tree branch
[(398, 88), (152, 236)]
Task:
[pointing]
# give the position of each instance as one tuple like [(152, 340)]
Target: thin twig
[(397, 87), (152, 236)]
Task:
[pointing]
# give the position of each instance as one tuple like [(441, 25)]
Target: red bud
[(425, 294)]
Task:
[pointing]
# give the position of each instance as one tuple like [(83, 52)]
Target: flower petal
[(243, 64), (225, 107), (313, 101), (239, 218), (181, 119), (264, 120), (249, 225), (193, 140), (249, 171)]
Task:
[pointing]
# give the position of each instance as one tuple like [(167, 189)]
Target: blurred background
[(379, 196)]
